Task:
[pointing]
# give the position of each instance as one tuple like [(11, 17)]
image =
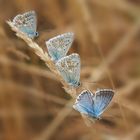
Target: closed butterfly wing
[(102, 99), (59, 45), (69, 68), (84, 103), (27, 23)]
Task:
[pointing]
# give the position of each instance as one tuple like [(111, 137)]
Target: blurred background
[(33, 104)]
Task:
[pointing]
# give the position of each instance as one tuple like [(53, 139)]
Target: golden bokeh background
[(33, 104)]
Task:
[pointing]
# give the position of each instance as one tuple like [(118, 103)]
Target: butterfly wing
[(69, 68), (26, 23), (102, 98), (59, 45), (84, 103)]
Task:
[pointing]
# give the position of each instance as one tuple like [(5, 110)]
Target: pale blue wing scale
[(31, 23), (26, 30), (84, 103), (59, 45), (102, 99), (27, 23), (69, 68), (71, 77), (32, 20)]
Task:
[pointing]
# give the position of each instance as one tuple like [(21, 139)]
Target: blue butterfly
[(27, 23), (59, 45), (93, 104), (69, 68)]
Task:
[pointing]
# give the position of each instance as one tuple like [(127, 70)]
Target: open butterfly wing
[(84, 103), (102, 98), (69, 68), (59, 45)]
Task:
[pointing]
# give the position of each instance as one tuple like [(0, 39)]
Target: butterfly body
[(93, 105), (26, 23), (69, 68), (58, 46)]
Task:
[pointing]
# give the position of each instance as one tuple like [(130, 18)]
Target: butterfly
[(93, 104), (59, 45), (69, 68), (27, 23)]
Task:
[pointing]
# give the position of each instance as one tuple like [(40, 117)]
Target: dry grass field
[(33, 102)]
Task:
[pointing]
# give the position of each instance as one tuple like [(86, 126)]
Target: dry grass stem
[(43, 56), (119, 5), (33, 106), (117, 50), (46, 135)]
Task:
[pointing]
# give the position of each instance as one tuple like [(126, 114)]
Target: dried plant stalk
[(46, 135), (43, 56)]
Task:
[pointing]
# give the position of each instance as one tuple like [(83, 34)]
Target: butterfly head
[(95, 117), (36, 34), (78, 84), (75, 85)]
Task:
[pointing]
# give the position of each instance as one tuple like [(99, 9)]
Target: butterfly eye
[(36, 34), (79, 84)]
